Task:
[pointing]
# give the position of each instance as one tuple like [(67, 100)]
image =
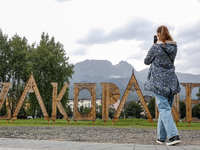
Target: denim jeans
[(166, 126)]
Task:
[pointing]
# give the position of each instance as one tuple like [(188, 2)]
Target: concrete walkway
[(24, 144)]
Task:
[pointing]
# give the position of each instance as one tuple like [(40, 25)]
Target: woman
[(163, 81)]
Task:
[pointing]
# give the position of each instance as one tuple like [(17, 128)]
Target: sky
[(113, 30)]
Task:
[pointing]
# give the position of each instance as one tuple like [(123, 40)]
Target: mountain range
[(97, 71)]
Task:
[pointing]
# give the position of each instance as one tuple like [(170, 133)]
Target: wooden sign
[(3, 94), (57, 102), (110, 95), (189, 101), (31, 87), (77, 115), (133, 86)]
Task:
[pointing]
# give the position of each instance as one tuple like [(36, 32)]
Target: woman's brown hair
[(164, 34)]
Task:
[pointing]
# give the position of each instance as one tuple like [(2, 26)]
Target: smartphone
[(155, 39)]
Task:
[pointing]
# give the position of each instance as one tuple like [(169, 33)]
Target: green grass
[(122, 123)]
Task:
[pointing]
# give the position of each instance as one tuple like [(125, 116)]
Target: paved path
[(23, 144)]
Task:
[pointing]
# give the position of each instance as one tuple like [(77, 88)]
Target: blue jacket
[(161, 78)]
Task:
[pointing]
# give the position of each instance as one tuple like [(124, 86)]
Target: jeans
[(166, 126)]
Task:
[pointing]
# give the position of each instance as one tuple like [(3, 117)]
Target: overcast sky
[(111, 30)]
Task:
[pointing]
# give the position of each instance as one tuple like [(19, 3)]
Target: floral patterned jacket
[(161, 78)]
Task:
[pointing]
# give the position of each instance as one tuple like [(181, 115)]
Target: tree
[(50, 64), (151, 107), (86, 110), (69, 111), (122, 114), (196, 111), (112, 112), (47, 61), (5, 54), (19, 71), (99, 111), (5, 66), (133, 109), (196, 108), (81, 109), (182, 109)]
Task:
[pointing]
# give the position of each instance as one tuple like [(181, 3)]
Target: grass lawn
[(122, 123)]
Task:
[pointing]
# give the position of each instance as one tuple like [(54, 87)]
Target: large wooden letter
[(132, 85), (110, 95), (56, 102), (3, 95), (175, 109), (31, 87), (188, 101), (91, 116)]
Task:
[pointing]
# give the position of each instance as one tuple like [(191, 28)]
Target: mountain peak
[(144, 70), (124, 68), (122, 61), (102, 68)]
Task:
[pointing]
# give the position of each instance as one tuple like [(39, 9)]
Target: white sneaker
[(160, 141)]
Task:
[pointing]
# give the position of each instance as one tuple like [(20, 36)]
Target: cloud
[(188, 58), (188, 39), (134, 29), (139, 29), (80, 51), (63, 0), (136, 56), (188, 33)]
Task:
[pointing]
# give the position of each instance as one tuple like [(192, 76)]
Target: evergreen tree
[(122, 115), (182, 109), (151, 107), (86, 110), (196, 108), (81, 109), (99, 111), (50, 64), (133, 109), (20, 67), (5, 55), (5, 66), (69, 111), (112, 112), (196, 111)]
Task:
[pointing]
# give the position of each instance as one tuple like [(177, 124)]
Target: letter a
[(133, 86), (31, 87)]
